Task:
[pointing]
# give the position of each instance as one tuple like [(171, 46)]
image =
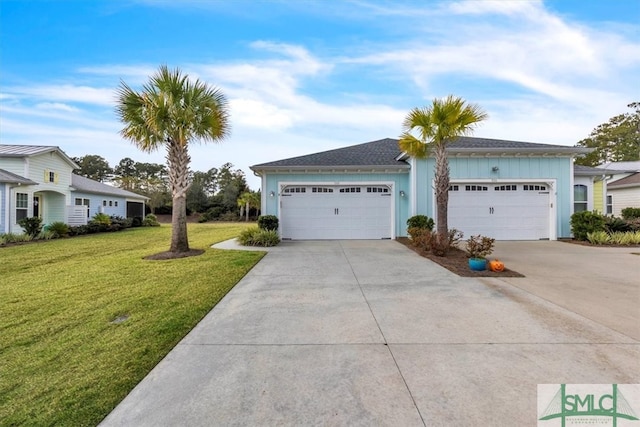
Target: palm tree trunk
[(247, 212), (442, 196), (178, 161)]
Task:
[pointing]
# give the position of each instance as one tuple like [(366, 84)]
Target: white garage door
[(502, 211), (335, 212)]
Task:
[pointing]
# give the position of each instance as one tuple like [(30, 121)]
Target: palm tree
[(172, 111), (436, 126), (247, 201)]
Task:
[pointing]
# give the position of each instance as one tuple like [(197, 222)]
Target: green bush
[(479, 246), (613, 224), (255, 236), (58, 228), (586, 222), (229, 216), (626, 238), (598, 237), (102, 219), (630, 213), (121, 222), (78, 230), (420, 221), (268, 222), (14, 238), (421, 237), (32, 225), (136, 221), (150, 221)]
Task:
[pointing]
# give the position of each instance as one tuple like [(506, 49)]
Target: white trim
[(263, 191), (413, 182), (391, 184)]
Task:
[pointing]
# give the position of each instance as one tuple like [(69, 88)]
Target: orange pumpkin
[(496, 265)]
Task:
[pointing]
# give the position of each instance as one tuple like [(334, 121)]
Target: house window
[(78, 202), (609, 205), (115, 203), (104, 203), (52, 176), (579, 198), (22, 203), (110, 202)]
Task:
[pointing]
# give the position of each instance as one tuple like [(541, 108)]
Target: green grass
[(62, 361)]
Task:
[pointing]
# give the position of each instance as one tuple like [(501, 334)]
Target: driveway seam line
[(386, 343)]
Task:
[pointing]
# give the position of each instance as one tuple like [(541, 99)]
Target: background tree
[(93, 167), (173, 111), (435, 127), (618, 140)]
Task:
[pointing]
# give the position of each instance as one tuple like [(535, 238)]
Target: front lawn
[(63, 359)]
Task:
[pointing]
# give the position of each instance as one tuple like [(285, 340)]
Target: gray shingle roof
[(81, 183), (12, 178), (385, 152), (587, 170), (376, 153), (629, 181)]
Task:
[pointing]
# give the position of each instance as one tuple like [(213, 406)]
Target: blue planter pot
[(478, 264)]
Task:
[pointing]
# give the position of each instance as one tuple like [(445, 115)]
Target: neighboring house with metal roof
[(509, 190), (623, 186), (38, 180)]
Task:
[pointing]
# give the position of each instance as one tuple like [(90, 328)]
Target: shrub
[(102, 219), (586, 222), (255, 236), (625, 239), (15, 238), (479, 246), (228, 216), (421, 238), (78, 230), (420, 221), (455, 237), (634, 224), (136, 221), (268, 222), (47, 235), (120, 222), (58, 228), (598, 237), (613, 224), (631, 213), (150, 221), (31, 225)]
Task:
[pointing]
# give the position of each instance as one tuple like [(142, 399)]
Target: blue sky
[(307, 76)]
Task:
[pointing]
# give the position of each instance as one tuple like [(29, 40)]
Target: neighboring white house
[(509, 190), (37, 180), (623, 187)]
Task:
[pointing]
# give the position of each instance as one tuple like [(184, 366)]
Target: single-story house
[(509, 190), (37, 180), (623, 186)]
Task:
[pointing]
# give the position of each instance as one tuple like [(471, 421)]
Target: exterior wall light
[(272, 194), (495, 169), (402, 193)]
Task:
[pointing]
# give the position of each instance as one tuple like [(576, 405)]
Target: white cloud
[(65, 93), (56, 106)]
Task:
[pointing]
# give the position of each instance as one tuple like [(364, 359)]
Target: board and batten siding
[(598, 197), (471, 168), (271, 182)]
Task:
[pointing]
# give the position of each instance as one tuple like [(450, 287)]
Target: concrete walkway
[(369, 333)]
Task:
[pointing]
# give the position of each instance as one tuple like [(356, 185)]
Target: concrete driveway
[(369, 333)]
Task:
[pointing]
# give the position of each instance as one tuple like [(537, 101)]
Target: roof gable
[(628, 181)]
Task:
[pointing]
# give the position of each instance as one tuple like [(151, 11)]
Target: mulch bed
[(174, 255), (457, 262)]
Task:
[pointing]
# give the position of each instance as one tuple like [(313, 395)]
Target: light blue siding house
[(38, 180), (509, 190)]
